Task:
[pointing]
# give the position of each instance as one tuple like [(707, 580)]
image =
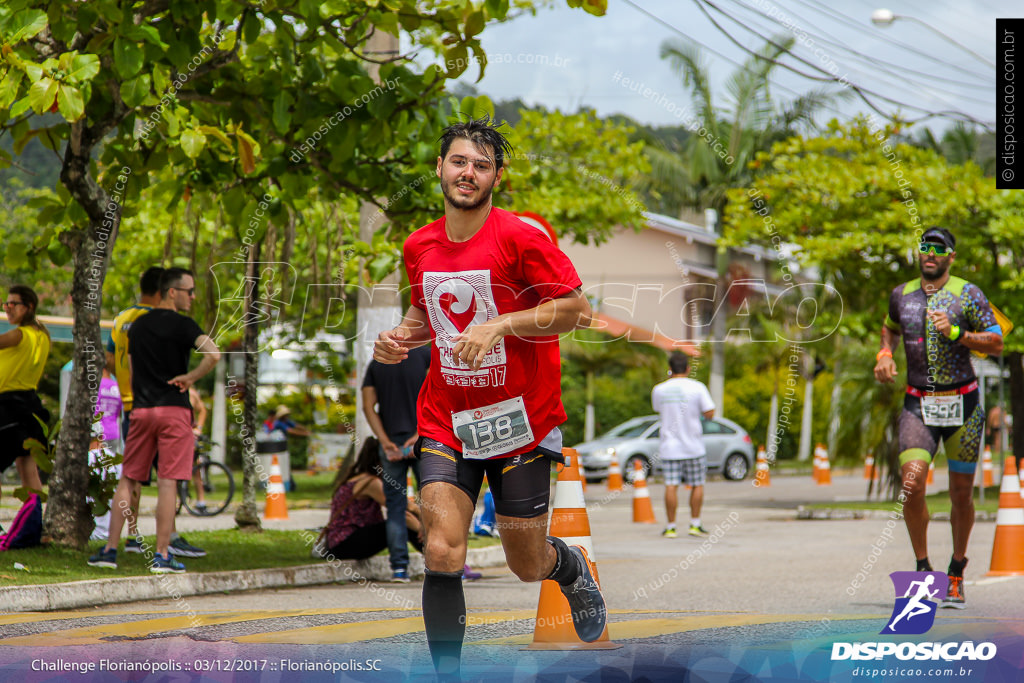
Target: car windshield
[(628, 430)]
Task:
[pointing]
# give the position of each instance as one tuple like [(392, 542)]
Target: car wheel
[(736, 467), (630, 467)]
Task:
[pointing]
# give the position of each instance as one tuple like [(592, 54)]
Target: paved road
[(765, 586)]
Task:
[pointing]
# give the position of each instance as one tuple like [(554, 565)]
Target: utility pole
[(379, 306), (716, 383)]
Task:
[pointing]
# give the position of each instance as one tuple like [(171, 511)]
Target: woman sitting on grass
[(356, 529)]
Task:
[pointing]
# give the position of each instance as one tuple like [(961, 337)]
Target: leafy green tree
[(576, 170), (255, 103), (854, 202)]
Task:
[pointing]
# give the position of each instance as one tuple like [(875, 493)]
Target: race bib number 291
[(943, 411), (493, 430)]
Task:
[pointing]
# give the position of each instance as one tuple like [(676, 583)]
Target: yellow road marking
[(371, 630), (85, 635), (338, 633)]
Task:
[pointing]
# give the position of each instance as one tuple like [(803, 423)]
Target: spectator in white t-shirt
[(682, 402)]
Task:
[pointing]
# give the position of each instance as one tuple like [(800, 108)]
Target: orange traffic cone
[(824, 468), (931, 473), (987, 478), (1007, 558), (553, 629), (614, 475), (869, 467), (763, 476), (276, 507), (643, 512)]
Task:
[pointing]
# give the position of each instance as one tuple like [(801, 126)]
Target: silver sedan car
[(729, 448)]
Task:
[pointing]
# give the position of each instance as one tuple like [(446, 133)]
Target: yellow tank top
[(21, 366)]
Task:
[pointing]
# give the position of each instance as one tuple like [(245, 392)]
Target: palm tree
[(749, 123), (725, 141)]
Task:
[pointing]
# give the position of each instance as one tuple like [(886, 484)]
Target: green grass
[(937, 502), (228, 550)]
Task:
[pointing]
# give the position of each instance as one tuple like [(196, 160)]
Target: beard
[(464, 203), (940, 269)]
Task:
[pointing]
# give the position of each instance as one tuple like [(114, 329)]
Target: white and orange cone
[(824, 469), (277, 507), (1008, 545), (987, 476), (931, 473), (614, 475), (869, 467), (643, 511), (553, 629), (763, 476)]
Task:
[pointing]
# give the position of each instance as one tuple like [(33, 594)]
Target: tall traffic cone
[(763, 476), (816, 467), (869, 467), (824, 468), (276, 507), (553, 629), (1008, 545), (986, 467), (643, 513), (931, 473), (614, 475)]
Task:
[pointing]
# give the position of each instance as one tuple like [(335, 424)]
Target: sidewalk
[(76, 594)]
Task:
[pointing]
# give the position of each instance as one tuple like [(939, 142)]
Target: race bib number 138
[(493, 430)]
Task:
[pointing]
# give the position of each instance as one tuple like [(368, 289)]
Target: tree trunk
[(68, 519), (771, 439), (807, 410), (247, 516)]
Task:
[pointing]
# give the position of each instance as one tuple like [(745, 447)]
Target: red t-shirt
[(506, 266)]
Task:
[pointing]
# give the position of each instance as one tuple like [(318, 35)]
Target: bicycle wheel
[(218, 488), (182, 495)]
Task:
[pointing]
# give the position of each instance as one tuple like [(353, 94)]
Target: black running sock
[(956, 567), (567, 568), (923, 565), (444, 619)]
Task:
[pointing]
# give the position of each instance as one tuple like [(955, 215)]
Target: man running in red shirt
[(492, 293)]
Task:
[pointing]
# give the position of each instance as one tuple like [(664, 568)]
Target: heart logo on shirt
[(459, 310)]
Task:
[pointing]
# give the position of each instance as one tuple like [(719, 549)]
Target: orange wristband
[(883, 352)]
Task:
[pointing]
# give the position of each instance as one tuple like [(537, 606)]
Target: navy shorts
[(521, 484)]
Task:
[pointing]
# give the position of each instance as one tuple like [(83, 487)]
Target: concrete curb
[(840, 513), (76, 594)]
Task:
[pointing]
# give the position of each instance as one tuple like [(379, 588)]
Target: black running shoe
[(586, 604)]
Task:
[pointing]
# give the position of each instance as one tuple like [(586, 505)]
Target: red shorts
[(166, 430)]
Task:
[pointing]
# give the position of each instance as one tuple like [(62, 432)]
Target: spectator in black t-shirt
[(395, 388), (159, 346)]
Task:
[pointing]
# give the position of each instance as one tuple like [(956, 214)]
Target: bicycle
[(216, 479)]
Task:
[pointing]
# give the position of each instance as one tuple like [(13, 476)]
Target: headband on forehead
[(940, 235)]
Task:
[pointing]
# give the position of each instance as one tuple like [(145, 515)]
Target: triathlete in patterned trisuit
[(941, 320), (493, 294)]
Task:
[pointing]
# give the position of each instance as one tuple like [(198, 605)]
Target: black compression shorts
[(521, 484)]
